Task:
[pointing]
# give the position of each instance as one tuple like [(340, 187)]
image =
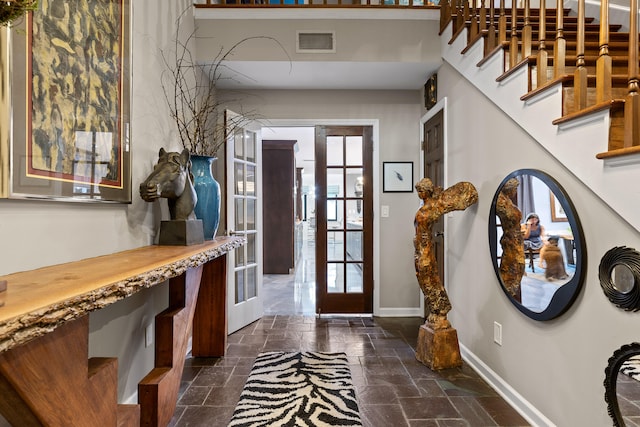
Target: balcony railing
[(379, 4)]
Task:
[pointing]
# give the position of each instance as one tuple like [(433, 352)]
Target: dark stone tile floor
[(392, 387)]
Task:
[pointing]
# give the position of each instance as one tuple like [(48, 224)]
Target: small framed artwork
[(397, 177), (431, 91), (69, 104), (557, 212)]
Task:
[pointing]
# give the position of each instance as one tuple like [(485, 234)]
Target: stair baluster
[(580, 74), (632, 100), (560, 46), (502, 24), (603, 63), (543, 56), (526, 31), (513, 47), (491, 41)]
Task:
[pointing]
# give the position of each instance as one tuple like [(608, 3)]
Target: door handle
[(235, 233), (439, 234)]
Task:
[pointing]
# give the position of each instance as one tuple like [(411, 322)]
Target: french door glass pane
[(251, 282), (240, 294), (354, 150), (239, 223), (251, 248), (335, 151), (251, 214), (335, 246), (239, 256), (239, 177), (335, 182), (250, 138), (354, 186), (354, 213), (354, 245), (251, 180), (238, 137), (335, 278), (354, 278)]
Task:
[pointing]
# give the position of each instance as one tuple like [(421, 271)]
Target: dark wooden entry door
[(434, 170), (344, 215)]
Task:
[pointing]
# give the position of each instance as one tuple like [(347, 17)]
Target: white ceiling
[(326, 75)]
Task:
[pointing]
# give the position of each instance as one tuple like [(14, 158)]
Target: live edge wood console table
[(46, 377)]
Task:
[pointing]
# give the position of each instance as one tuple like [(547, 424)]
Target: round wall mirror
[(619, 272), (537, 244), (622, 385)]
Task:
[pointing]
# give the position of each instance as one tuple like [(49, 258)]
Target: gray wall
[(398, 115), (558, 366)]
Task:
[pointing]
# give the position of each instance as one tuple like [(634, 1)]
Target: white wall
[(557, 366), (36, 233)]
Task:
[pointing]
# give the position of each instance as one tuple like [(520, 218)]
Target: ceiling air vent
[(316, 42)]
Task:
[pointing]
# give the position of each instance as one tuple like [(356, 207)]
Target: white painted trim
[(401, 311), (315, 13), (508, 393), (550, 91)]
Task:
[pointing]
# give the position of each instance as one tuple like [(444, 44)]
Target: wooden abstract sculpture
[(437, 342)]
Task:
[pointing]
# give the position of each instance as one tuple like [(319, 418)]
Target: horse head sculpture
[(172, 179)]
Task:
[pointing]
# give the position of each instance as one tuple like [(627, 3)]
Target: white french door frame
[(247, 311)]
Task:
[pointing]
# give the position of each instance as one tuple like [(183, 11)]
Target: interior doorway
[(295, 293)]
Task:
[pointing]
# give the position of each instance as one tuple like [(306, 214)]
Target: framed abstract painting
[(66, 120)]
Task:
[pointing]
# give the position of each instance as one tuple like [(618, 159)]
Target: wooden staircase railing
[(596, 64)]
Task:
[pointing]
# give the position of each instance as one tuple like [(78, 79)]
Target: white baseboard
[(400, 312), (519, 403)]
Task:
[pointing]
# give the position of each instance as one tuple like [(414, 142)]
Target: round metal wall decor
[(619, 275), (621, 377)]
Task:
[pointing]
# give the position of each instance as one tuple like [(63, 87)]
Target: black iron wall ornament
[(619, 274), (613, 370)]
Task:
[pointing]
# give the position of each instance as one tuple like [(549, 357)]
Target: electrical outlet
[(148, 335), (497, 333), (385, 211)]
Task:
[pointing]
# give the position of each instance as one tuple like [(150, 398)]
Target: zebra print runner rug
[(298, 389)]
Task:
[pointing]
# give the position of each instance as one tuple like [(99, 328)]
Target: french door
[(344, 219), (244, 217)]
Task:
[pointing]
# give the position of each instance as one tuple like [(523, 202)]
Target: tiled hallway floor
[(392, 387)]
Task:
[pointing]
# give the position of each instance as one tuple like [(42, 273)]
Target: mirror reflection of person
[(533, 232), (436, 202), (512, 258)]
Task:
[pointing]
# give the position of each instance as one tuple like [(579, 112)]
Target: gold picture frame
[(557, 212), (65, 112), (431, 91)]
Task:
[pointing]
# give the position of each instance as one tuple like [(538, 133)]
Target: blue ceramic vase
[(208, 191)]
